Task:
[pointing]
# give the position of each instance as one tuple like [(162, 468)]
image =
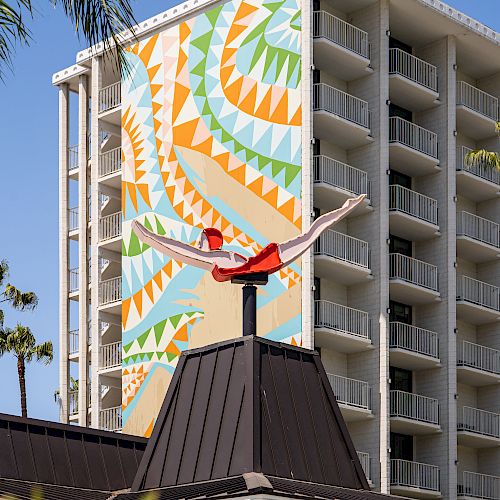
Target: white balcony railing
[(327, 98), (110, 226), (73, 278), (340, 175), (341, 318), (413, 68), (350, 391), (414, 407), (72, 157), (364, 459), (412, 203), (412, 338), (477, 100), (111, 355), (479, 486), (413, 136), (478, 292), (73, 219), (483, 171), (478, 228), (110, 419), (413, 271), (479, 421), (343, 247), (110, 162), (414, 475), (478, 356), (110, 291), (73, 342), (338, 31), (110, 97), (73, 402)]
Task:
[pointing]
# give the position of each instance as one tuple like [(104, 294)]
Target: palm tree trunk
[(21, 372)]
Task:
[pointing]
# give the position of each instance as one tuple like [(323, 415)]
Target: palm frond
[(497, 127), (12, 29), (102, 20), (21, 342), (44, 352), (483, 158), (22, 301)]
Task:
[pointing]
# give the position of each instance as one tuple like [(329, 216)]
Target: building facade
[(255, 118)]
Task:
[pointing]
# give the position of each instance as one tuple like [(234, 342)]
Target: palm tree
[(21, 342), (94, 21), (483, 157), (4, 271)]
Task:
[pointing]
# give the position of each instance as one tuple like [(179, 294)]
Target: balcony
[(109, 103), (413, 150), (478, 428), (364, 459), (412, 82), (335, 182), (340, 45), (340, 118), (110, 419), (412, 215), (474, 485), (413, 348), (478, 239), (73, 162), (110, 231), (414, 479), (477, 112), (413, 414), (73, 223), (478, 303), (412, 281), (341, 328), (477, 182), (110, 167), (110, 295), (353, 397), (73, 281), (73, 342), (477, 365), (342, 258), (111, 358)]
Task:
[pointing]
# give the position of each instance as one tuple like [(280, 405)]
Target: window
[(394, 43), (401, 446), (395, 110), (316, 5), (400, 312), (401, 380), (316, 76), (317, 289), (400, 179), (400, 245), (316, 147), (316, 213)]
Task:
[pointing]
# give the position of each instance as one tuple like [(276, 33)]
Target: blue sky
[(29, 183)]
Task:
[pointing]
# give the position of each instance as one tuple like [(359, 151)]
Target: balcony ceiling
[(410, 227), (476, 314), (475, 377), (412, 492), (476, 440), (475, 250), (410, 161), (354, 414), (418, 25), (475, 187), (331, 197), (411, 95), (413, 427), (340, 271), (348, 65), (410, 360), (474, 124), (339, 131), (411, 294), (340, 341)]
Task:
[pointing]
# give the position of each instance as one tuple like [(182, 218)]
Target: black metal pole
[(249, 309)]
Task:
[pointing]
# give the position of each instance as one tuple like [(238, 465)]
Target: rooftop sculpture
[(231, 266)]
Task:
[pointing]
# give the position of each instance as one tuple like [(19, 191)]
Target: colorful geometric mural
[(211, 137)]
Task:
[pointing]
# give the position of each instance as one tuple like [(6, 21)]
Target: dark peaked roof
[(250, 405), (65, 455)]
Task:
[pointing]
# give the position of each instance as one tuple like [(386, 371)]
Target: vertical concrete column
[(383, 196), (94, 181), (450, 490), (307, 175), (83, 243), (63, 251)]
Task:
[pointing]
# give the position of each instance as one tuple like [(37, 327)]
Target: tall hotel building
[(255, 117)]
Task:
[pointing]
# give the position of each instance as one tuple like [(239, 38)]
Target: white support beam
[(63, 251)]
